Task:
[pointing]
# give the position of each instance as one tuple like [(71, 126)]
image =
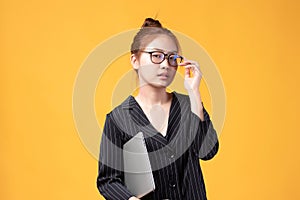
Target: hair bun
[(149, 22)]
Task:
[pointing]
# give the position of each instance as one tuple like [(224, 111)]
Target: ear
[(134, 62)]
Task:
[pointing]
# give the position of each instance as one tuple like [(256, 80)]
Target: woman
[(177, 128)]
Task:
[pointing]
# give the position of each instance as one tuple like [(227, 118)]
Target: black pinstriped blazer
[(174, 158)]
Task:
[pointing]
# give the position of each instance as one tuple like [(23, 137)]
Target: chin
[(157, 83), (160, 85)]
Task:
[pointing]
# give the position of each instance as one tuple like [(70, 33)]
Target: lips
[(164, 74)]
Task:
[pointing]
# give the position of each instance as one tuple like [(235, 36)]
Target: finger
[(194, 71), (184, 63), (192, 68), (187, 73)]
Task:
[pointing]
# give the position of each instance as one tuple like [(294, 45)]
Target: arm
[(110, 180), (206, 143)]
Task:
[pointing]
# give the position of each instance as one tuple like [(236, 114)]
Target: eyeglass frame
[(166, 56)]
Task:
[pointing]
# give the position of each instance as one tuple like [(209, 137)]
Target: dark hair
[(149, 22), (150, 29)]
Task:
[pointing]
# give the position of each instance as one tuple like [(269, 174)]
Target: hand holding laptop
[(133, 198)]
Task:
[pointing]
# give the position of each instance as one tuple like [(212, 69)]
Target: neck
[(153, 96)]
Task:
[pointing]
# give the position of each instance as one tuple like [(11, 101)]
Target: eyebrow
[(162, 50)]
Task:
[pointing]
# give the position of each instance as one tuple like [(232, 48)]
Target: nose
[(165, 64)]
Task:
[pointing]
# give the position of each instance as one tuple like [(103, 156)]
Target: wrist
[(195, 94), (191, 89)]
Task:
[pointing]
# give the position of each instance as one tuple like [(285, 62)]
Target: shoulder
[(121, 111), (124, 105), (183, 99), (181, 96)]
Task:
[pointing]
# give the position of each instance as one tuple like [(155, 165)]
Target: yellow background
[(255, 45)]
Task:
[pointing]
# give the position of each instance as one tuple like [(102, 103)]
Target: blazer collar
[(130, 102)]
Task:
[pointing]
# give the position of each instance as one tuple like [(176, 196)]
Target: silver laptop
[(137, 168)]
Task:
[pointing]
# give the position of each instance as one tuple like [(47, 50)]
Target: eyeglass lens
[(159, 57)]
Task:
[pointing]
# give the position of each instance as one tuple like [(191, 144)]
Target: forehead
[(162, 42)]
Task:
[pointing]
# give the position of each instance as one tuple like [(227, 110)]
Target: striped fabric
[(174, 158)]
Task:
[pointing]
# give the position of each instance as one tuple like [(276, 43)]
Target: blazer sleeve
[(110, 180), (206, 142)]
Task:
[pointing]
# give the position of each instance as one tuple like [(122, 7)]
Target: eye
[(173, 57), (157, 55)]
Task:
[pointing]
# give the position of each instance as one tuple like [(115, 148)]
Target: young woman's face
[(156, 75)]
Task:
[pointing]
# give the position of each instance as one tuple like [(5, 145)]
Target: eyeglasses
[(158, 57)]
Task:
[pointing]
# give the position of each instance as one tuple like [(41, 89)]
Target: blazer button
[(171, 155), (172, 184)]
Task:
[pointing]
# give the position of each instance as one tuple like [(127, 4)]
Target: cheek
[(172, 74), (148, 70), (144, 59), (173, 71)]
